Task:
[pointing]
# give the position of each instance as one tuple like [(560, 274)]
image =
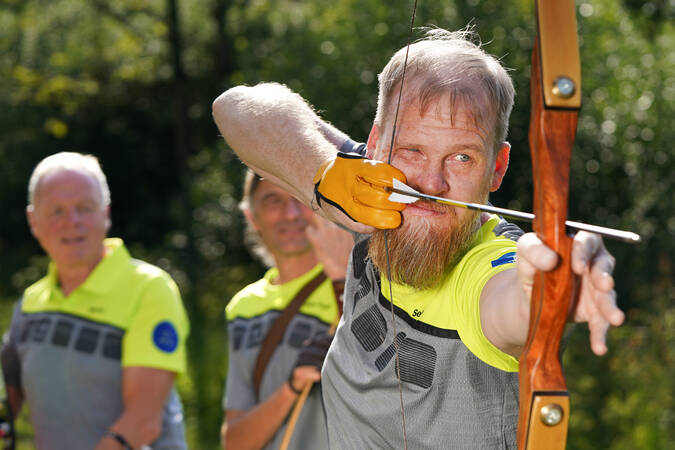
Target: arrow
[(402, 193)]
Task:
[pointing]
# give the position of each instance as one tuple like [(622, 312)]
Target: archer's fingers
[(339, 217), (369, 193), (590, 255), (598, 327), (592, 261), (605, 302)]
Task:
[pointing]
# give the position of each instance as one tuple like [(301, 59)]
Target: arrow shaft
[(626, 236)]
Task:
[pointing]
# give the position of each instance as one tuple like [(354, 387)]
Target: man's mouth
[(73, 240), (293, 228), (427, 208)]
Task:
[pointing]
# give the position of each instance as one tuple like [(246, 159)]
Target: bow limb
[(556, 99)]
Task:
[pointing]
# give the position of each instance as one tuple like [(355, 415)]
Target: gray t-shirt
[(250, 315), (452, 400)]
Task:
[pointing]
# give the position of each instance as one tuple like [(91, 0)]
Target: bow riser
[(551, 137), (552, 131)]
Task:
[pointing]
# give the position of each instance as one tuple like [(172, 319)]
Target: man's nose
[(73, 216), (292, 208), (430, 181)]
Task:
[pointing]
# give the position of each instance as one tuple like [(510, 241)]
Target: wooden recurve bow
[(556, 100)]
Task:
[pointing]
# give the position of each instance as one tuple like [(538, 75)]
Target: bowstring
[(386, 240)]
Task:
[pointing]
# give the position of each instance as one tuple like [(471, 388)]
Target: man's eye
[(462, 157), (271, 201), (406, 152)]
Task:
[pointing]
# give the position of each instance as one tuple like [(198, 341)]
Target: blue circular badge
[(165, 337)]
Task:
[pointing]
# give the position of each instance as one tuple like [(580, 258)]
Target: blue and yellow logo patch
[(506, 258), (165, 337)]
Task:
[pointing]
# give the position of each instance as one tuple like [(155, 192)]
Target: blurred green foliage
[(132, 82)]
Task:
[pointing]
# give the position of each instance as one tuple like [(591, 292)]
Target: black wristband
[(290, 384), (120, 439)]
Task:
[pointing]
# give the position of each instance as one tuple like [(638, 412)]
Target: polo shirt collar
[(273, 273), (104, 276)]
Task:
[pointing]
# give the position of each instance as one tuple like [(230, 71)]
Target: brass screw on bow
[(563, 87), (551, 414)]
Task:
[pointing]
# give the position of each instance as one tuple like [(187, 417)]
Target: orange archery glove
[(356, 186)]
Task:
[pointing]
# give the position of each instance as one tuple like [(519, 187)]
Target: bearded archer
[(437, 306)]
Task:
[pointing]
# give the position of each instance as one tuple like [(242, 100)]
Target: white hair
[(76, 162)]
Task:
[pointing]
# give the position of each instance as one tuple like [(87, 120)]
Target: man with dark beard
[(460, 295)]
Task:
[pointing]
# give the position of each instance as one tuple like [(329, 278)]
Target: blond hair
[(449, 63)]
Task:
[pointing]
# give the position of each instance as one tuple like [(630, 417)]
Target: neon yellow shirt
[(250, 314), (262, 296), (129, 294), (455, 303)]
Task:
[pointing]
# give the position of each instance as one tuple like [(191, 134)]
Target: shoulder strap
[(279, 326), (338, 290)]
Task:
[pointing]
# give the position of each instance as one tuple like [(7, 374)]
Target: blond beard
[(419, 252)]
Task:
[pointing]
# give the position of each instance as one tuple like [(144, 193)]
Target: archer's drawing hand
[(593, 264), (332, 246), (355, 186)]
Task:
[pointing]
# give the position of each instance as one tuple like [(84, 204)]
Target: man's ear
[(373, 138), (29, 217), (500, 165), (108, 222), (250, 219)]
